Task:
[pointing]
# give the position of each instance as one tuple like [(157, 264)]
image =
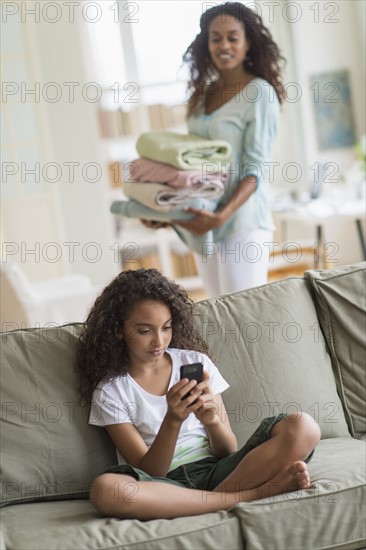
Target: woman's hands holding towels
[(204, 220)]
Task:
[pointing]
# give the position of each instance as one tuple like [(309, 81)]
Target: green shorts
[(207, 473)]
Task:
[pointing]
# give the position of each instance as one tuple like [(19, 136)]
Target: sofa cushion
[(327, 517), (319, 519), (271, 352), (48, 448), (70, 525), (339, 295)]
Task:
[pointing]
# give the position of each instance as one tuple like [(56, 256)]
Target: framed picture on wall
[(333, 112)]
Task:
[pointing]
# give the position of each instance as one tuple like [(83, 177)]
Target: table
[(317, 212)]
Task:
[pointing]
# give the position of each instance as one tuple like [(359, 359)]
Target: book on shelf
[(159, 117), (183, 264), (120, 122), (103, 125), (133, 120), (115, 128), (178, 114), (142, 118), (146, 261)]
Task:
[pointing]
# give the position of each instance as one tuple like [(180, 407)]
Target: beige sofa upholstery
[(275, 345)]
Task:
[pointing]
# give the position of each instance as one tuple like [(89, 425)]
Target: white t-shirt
[(122, 401)]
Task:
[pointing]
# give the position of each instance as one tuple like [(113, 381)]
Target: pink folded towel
[(146, 170)]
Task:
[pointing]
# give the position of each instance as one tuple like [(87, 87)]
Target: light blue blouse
[(249, 122)]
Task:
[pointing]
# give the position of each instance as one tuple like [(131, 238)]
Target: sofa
[(292, 345)]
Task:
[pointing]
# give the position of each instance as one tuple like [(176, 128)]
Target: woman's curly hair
[(263, 58), (102, 353)]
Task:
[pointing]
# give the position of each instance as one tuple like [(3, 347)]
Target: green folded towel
[(184, 151)]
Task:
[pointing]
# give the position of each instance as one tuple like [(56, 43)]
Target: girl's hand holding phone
[(179, 406), (191, 396), (208, 412)]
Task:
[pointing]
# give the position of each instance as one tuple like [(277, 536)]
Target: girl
[(177, 454)]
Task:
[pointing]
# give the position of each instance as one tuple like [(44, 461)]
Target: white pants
[(236, 264)]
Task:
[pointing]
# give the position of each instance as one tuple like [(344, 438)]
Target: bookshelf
[(122, 122)]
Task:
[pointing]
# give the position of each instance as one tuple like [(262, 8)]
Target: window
[(137, 43), (161, 36), (106, 46)]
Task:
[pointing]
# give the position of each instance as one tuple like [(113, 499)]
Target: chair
[(55, 301), (291, 260)]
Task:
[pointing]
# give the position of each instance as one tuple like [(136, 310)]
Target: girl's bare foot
[(295, 476), (292, 478)]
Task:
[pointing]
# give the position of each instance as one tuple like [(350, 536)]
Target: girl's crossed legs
[(274, 467)]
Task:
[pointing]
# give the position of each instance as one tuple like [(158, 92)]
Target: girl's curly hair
[(263, 58), (102, 353)]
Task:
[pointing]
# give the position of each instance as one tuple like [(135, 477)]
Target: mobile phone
[(192, 371)]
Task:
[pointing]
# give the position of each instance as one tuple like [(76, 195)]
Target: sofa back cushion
[(339, 295), (270, 349), (48, 448)]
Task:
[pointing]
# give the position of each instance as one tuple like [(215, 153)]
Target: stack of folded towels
[(174, 171)]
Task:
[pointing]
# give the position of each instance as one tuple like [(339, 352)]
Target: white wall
[(315, 37), (79, 222), (331, 39), (31, 217), (75, 134)]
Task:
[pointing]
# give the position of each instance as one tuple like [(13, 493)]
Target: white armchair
[(58, 301)]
